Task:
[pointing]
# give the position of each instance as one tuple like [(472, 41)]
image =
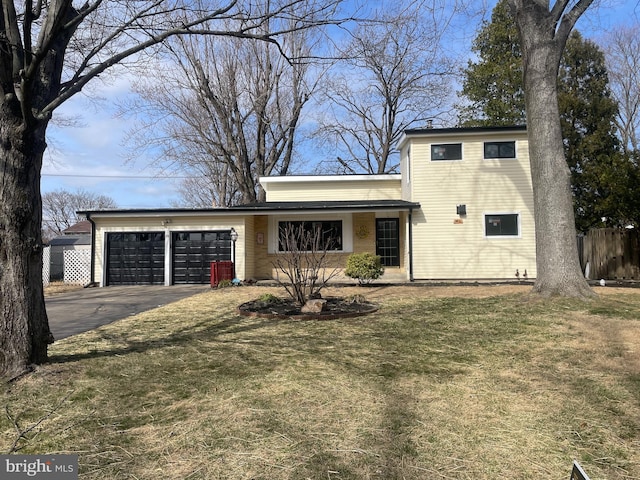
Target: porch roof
[(263, 208), (329, 205)]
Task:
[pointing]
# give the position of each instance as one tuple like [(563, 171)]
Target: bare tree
[(303, 260), (392, 76), (230, 109), (202, 192), (50, 51), (543, 32), (623, 64), (207, 183), (59, 208)]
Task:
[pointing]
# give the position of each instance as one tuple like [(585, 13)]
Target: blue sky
[(92, 155)]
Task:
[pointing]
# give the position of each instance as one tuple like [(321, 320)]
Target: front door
[(388, 241)]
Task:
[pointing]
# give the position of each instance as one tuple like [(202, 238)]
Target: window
[(500, 149), (446, 151), (501, 225), (329, 231)]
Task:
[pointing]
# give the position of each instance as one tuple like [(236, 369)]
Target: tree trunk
[(557, 260), (24, 327)]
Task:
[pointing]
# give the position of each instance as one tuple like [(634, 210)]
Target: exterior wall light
[(234, 238)]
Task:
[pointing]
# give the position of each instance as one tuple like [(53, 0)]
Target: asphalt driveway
[(82, 310)]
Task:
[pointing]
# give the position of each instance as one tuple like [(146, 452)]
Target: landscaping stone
[(315, 305)]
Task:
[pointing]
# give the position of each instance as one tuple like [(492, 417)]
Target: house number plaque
[(362, 232)]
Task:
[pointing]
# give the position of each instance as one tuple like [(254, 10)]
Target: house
[(75, 238), (461, 209)]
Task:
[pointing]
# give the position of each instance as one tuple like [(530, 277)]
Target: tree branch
[(22, 432), (569, 19)]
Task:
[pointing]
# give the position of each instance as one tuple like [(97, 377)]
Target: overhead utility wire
[(155, 177)]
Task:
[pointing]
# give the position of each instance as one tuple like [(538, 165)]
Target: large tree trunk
[(24, 327), (557, 260)]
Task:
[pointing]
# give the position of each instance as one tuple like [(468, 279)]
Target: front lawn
[(440, 383)]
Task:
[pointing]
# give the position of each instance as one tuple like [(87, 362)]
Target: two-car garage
[(140, 258)]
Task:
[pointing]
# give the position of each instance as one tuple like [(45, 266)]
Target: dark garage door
[(135, 258), (193, 253)]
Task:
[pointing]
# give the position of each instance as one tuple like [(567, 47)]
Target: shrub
[(224, 283), (366, 267), (356, 298), (269, 298)]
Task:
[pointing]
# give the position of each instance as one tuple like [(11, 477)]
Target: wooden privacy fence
[(610, 253)]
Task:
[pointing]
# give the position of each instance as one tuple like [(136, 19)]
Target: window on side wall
[(502, 224), (446, 151), (499, 150), (329, 231)]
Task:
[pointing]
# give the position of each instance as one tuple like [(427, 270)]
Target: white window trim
[(347, 229), (447, 143), (515, 149), (501, 237)]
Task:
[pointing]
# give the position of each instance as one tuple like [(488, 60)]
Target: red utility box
[(221, 271)]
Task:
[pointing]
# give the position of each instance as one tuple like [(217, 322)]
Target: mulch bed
[(335, 307)]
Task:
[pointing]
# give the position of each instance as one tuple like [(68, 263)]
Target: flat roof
[(262, 208), (331, 178), (71, 240), (333, 205), (438, 131), (427, 132)]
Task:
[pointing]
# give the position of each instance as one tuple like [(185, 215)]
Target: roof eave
[(267, 208), (456, 131)]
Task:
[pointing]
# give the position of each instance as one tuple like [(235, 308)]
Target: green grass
[(467, 384)]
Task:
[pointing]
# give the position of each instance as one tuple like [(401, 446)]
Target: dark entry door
[(388, 241), (193, 253), (135, 258)]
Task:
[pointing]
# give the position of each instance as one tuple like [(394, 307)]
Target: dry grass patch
[(56, 288), (456, 382)]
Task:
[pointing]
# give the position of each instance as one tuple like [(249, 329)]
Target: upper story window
[(446, 151), (502, 225), (499, 149)]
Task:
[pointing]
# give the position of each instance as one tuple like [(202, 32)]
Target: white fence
[(76, 268), (46, 265)]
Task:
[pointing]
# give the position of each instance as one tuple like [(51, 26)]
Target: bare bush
[(302, 260)]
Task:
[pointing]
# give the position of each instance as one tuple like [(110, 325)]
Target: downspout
[(92, 282), (411, 245)]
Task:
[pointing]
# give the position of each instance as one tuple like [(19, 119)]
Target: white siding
[(310, 190), (447, 246)]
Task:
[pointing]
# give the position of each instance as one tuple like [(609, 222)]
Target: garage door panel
[(193, 253), (135, 258)]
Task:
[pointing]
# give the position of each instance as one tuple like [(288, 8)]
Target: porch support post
[(410, 245)]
